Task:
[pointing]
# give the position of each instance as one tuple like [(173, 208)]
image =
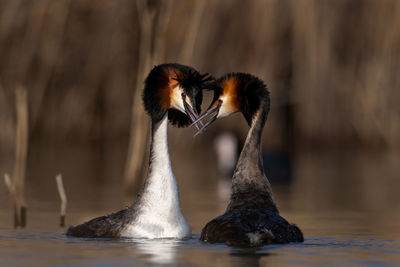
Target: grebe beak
[(214, 114), (191, 113)]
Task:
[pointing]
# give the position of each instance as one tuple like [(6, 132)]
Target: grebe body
[(252, 217), (172, 93)]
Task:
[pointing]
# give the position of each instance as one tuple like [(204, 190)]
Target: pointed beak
[(213, 113), (192, 114)]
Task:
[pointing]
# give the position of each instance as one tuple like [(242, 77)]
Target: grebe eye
[(183, 95), (220, 101)]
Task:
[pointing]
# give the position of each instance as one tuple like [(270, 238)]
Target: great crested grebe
[(172, 92), (252, 217)]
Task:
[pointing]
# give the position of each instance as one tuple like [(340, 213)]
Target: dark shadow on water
[(247, 256)]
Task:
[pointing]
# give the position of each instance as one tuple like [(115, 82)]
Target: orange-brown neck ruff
[(166, 91), (231, 93)]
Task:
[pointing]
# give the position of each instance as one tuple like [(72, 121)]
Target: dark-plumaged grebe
[(252, 217), (172, 92)]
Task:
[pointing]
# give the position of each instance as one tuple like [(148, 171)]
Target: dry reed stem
[(21, 150), (11, 190), (63, 198)]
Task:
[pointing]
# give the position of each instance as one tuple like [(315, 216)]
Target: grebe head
[(177, 89), (236, 92)]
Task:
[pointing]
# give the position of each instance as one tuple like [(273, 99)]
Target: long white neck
[(160, 189), (157, 211)]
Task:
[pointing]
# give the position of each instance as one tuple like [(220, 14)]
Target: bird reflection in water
[(158, 251), (226, 145), (246, 257)]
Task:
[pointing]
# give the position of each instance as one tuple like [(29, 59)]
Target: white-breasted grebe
[(172, 92), (252, 217)]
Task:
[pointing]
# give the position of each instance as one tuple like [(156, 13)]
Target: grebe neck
[(157, 212), (250, 186), (160, 190)]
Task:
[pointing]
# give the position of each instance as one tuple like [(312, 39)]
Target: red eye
[(220, 101), (183, 95)]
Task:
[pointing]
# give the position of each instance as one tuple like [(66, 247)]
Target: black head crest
[(158, 87), (250, 91)]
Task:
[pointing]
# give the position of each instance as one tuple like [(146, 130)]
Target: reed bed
[(332, 68)]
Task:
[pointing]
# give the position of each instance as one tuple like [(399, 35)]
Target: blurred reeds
[(332, 67), (16, 184), (63, 198), (346, 60)]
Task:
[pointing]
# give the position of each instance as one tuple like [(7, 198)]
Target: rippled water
[(348, 207), (54, 248)]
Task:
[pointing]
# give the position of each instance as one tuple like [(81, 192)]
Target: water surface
[(347, 205), (54, 248)]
